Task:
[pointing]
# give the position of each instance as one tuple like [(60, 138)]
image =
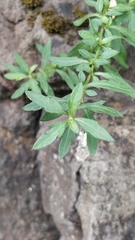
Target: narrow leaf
[(73, 126), (39, 47), (31, 107), (42, 78), (92, 127), (126, 32), (109, 39), (102, 109), (32, 68), (90, 3), (66, 77), (49, 116), (46, 52), (14, 69), (76, 94), (19, 92), (65, 143), (106, 84), (73, 76), (15, 76), (50, 136), (91, 93), (92, 144), (67, 61), (48, 103), (34, 86), (24, 87), (99, 5), (108, 53), (23, 65), (80, 21)]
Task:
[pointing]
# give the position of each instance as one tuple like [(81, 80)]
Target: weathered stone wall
[(41, 196)]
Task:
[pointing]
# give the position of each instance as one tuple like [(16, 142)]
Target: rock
[(41, 196), (99, 190)]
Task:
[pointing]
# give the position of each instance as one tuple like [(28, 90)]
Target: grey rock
[(74, 198)]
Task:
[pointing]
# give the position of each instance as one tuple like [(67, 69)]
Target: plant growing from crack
[(87, 66)]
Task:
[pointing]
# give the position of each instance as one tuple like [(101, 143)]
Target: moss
[(46, 13), (31, 18), (54, 24), (78, 12), (32, 3)]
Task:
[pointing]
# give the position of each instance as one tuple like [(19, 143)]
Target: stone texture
[(41, 196), (99, 191)]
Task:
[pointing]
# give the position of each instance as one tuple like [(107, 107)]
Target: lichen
[(32, 3)]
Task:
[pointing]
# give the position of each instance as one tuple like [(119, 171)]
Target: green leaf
[(122, 8), (19, 92), (117, 87), (51, 135), (39, 47), (88, 114), (46, 52), (75, 50), (86, 34), (84, 53), (121, 60), (76, 94), (48, 103), (49, 116), (99, 5), (24, 87), (32, 68), (100, 62), (73, 76), (15, 76), (42, 79), (66, 77), (67, 61), (75, 99), (50, 91), (91, 93), (109, 39), (14, 69), (115, 77), (131, 24), (33, 84), (92, 127), (31, 107), (23, 65), (108, 53), (73, 125), (91, 42), (95, 23), (80, 21), (116, 43), (92, 144), (113, 12), (65, 143), (81, 76), (83, 67), (94, 107), (90, 3), (130, 35)]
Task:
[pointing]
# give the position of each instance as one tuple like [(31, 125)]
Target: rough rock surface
[(41, 196), (96, 194)]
